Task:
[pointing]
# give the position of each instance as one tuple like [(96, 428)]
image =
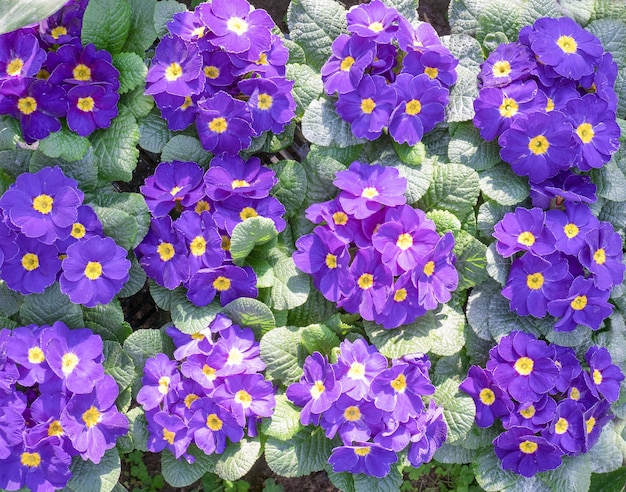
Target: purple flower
[(202, 369), (236, 209), (357, 365), (368, 107), (351, 56), (437, 278), (87, 225), (93, 422), (523, 230), (507, 63), (368, 458), (33, 269), (188, 26), (353, 420), (228, 281), (74, 65), (75, 356), (248, 395), (344, 226), (491, 402), (571, 226), (167, 431), (211, 425), (534, 281), (602, 256), (271, 104), (269, 63), (431, 436), (420, 106), (224, 124), (94, 271), (171, 183), (416, 38), (20, 55), (567, 429), (8, 246), (65, 25), (203, 240), (11, 430), (159, 382), (534, 415), (176, 68), (401, 306), (565, 186), (436, 61), (565, 46), (538, 145), (37, 104), (585, 304), (25, 347), (236, 352), (595, 419), (374, 20), (604, 377), (523, 366), (218, 70), (231, 175), (367, 188), (179, 111), (524, 453), (90, 107), (317, 390)]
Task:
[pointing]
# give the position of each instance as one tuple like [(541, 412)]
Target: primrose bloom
[(491, 402), (202, 239), (211, 424), (73, 65), (564, 187), (438, 278), (271, 104), (604, 377), (20, 55), (33, 269), (524, 453), (343, 71), (237, 209), (90, 107), (167, 431), (228, 281), (567, 429), (363, 457), (357, 365), (25, 347), (571, 226), (159, 383), (231, 175), (506, 64), (353, 420), (248, 395), (523, 230), (602, 255)]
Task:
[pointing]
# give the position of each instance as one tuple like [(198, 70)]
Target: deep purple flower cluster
[(550, 406), (569, 265), (210, 393), (56, 402), (549, 99), (376, 410), (46, 231), (46, 74), (194, 214), (389, 74), (401, 268), (222, 68)]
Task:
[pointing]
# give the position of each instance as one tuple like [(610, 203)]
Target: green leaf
[(132, 70), (489, 473), (612, 35), (190, 318), (448, 338), (17, 13), (314, 25), (308, 85), (106, 24), (458, 409), (125, 217), (609, 482), (115, 149), (605, 456), (407, 8), (615, 213), (141, 34), (162, 296), (500, 16), (469, 148), (108, 321), (284, 422), (163, 13), (179, 473), (237, 459), (502, 185), (344, 155), (410, 154), (291, 286), (118, 364), (579, 10), (449, 453), (248, 234), (321, 172), (574, 475), (463, 15), (489, 214), (620, 89), (454, 187), (263, 271), (143, 344), (305, 453), (50, 306), (138, 104), (389, 483), (283, 354), (64, 144), (185, 148), (610, 181), (153, 133), (609, 9), (477, 310), (344, 481), (535, 9), (296, 53), (137, 434), (292, 185), (10, 301), (497, 266), (316, 309), (462, 95), (319, 338), (471, 261), (250, 313), (136, 281), (322, 125), (90, 477), (15, 162)]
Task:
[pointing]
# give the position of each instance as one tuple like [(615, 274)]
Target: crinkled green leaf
[(477, 311), (497, 266), (291, 188), (179, 473), (291, 287), (237, 459), (307, 87), (162, 296), (448, 337), (410, 154), (579, 10), (136, 280), (454, 187), (610, 182), (305, 453), (137, 434), (458, 409), (535, 9), (185, 148), (50, 306), (345, 155), (188, 317), (449, 453), (463, 15), (124, 216), (106, 24), (64, 144), (10, 133), (296, 53), (283, 354), (574, 475), (284, 422), (612, 35), (444, 221), (10, 301), (132, 70), (322, 125), (613, 337), (471, 261), (315, 310), (91, 477), (319, 338), (462, 95), (248, 234), (502, 16), (609, 9), (615, 213), (407, 8), (110, 318), (115, 149), (15, 162), (620, 89), (118, 364), (138, 104), (163, 13), (314, 25), (17, 13), (502, 185), (153, 133), (605, 455), (489, 214), (143, 344), (389, 483), (466, 49), (489, 473), (469, 148), (250, 313), (141, 34)]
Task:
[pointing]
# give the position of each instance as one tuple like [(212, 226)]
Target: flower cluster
[(209, 393), (194, 214), (46, 74), (46, 230), (569, 265), (550, 406), (222, 68), (389, 74), (56, 402), (549, 99), (376, 410), (401, 268)]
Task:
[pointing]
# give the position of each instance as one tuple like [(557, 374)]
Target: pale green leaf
[(132, 70), (458, 409), (284, 422), (124, 216), (612, 35), (141, 34), (118, 364), (469, 148), (502, 185), (106, 24), (283, 354), (319, 338), (136, 280), (17, 13), (107, 318), (91, 477), (322, 125), (250, 313), (471, 261), (449, 453), (10, 301), (179, 473), (163, 13), (535, 9), (237, 459), (153, 133), (50, 306), (497, 266), (605, 456), (489, 473), (444, 221), (291, 287), (291, 188), (462, 95), (477, 310), (610, 182), (389, 483), (305, 453), (138, 104), (188, 317), (454, 187), (185, 148), (307, 87), (463, 15), (248, 234), (64, 144), (574, 475)]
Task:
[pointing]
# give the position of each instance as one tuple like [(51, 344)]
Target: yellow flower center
[(218, 125), (585, 132), (265, 102), (190, 398), (188, 102), (509, 107), (209, 372), (501, 68), (567, 44), (487, 396), (214, 423), (85, 104), (198, 246), (198, 32), (356, 371), (262, 59), (599, 256), (211, 72), (202, 206), (579, 303), (36, 355), (91, 416), (168, 436), (27, 105), (239, 183), (528, 447), (376, 26), (237, 25), (591, 423), (574, 394), (173, 72), (225, 243), (405, 241), (340, 218), (399, 383), (413, 107), (58, 31), (248, 213), (550, 105), (31, 460), (570, 230), (432, 72), (55, 428), (331, 261), (235, 357), (528, 413), (164, 385), (166, 251), (30, 262), (14, 67), (317, 389), (524, 366), (367, 105), (538, 145), (429, 268), (369, 192), (93, 270), (69, 361), (597, 376), (175, 190), (346, 63), (534, 281), (366, 281), (43, 203), (83, 72), (78, 230), (362, 450), (400, 295), (221, 283), (526, 238), (352, 413), (561, 426), (243, 398)]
